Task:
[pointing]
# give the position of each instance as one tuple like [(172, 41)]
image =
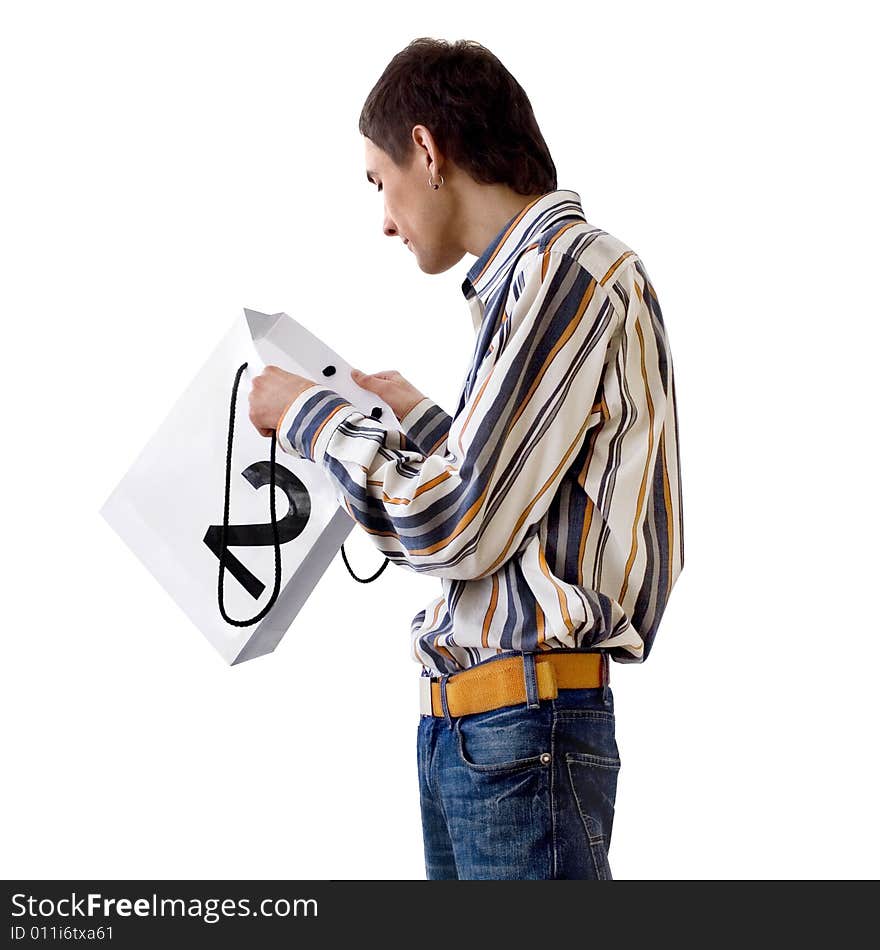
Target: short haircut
[(479, 115)]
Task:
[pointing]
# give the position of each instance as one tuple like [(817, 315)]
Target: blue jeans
[(517, 793)]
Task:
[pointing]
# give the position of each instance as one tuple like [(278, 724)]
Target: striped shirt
[(549, 504)]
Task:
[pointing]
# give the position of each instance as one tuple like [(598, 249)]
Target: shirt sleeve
[(462, 513), (426, 428)]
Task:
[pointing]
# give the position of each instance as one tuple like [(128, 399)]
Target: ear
[(424, 142)]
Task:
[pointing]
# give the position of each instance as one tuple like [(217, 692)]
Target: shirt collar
[(521, 229)]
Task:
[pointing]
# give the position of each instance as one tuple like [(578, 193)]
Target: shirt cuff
[(426, 425), (416, 413), (307, 424)]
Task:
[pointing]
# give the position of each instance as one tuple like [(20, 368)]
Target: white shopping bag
[(169, 506)]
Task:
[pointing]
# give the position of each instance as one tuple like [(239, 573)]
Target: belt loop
[(532, 699), (606, 675), (443, 701)]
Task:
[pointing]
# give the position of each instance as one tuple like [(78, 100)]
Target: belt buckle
[(425, 704)]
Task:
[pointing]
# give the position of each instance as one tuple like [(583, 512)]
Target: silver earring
[(433, 184)]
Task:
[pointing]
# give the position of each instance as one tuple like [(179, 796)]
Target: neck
[(485, 211)]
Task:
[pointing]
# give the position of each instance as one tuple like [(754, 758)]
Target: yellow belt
[(494, 683)]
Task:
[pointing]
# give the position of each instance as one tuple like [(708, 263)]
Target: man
[(549, 505)]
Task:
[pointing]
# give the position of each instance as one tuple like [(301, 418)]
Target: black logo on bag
[(259, 535)]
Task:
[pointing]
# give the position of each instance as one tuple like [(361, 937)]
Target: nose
[(388, 227)]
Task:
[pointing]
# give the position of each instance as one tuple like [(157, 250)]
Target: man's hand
[(271, 393), (392, 387)]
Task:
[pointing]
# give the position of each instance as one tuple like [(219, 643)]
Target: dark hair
[(479, 115)]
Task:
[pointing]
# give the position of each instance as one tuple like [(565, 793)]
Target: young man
[(548, 505)]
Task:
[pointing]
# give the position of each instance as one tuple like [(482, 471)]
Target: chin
[(434, 266), (428, 267)]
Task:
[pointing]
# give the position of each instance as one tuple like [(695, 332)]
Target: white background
[(166, 164)]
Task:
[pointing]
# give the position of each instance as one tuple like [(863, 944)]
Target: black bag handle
[(362, 580), (276, 541)]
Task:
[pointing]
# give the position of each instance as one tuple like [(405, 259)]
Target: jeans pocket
[(509, 739), (593, 783), (586, 746)]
